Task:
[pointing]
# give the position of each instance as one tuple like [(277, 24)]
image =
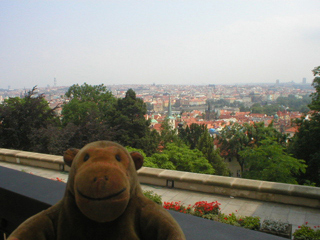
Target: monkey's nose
[(103, 178)]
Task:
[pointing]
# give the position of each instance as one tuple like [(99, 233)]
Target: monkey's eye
[(86, 157), (118, 157)]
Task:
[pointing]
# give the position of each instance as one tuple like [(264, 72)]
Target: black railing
[(23, 195)]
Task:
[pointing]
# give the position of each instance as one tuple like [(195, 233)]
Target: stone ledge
[(237, 187), (47, 161)]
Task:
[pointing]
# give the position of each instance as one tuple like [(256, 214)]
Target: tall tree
[(191, 135), (206, 146), (257, 132), (236, 137), (315, 97), (86, 100), (233, 139), (87, 112), (306, 142), (168, 134), (20, 116), (130, 122)]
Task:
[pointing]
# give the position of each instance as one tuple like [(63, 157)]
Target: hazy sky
[(167, 41)]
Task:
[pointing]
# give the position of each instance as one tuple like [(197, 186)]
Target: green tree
[(236, 137), (233, 139), (271, 109), (168, 134), (180, 157), (86, 116), (129, 120), (55, 139), (191, 135), (306, 142), (295, 104), (206, 146), (257, 132), (86, 100), (150, 142), (19, 117), (256, 108), (160, 160), (315, 97), (243, 108), (268, 161)]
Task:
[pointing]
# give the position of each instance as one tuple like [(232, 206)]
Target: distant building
[(304, 81), (171, 119)]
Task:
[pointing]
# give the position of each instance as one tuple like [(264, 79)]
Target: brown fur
[(103, 200)]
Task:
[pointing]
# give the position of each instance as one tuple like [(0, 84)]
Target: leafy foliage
[(235, 138), (167, 134), (133, 128), (294, 103), (275, 225), (306, 142), (153, 196), (192, 134), (55, 140), (20, 116), (203, 207), (305, 232), (206, 146), (270, 162), (291, 103), (86, 100), (315, 97), (181, 158)]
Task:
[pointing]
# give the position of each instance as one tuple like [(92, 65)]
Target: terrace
[(291, 203)]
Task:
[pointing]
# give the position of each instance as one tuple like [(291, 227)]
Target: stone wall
[(229, 186)]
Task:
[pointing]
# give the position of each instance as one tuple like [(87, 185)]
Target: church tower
[(171, 119)]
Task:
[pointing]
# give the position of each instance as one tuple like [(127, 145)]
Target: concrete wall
[(236, 187)]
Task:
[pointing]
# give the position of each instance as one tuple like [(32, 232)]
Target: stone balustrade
[(229, 186)]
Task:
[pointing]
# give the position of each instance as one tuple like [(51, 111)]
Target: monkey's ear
[(69, 155), (137, 159)]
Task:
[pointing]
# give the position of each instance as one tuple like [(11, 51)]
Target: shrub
[(153, 196), (231, 219), (213, 217), (177, 206), (252, 223), (307, 233), (275, 225), (203, 207)]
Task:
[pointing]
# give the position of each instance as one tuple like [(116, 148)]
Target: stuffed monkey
[(103, 201)]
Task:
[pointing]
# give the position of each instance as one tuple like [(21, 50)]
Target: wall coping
[(232, 182), (246, 188)]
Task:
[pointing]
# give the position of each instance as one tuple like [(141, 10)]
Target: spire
[(169, 108), (172, 119)]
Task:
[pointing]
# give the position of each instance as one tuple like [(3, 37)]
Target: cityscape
[(160, 120), (215, 107), (191, 103)]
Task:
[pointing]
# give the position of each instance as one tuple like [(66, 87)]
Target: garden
[(212, 211)]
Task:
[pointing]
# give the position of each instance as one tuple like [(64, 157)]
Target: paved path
[(240, 206)]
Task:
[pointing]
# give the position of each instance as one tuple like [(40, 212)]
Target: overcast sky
[(161, 42)]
